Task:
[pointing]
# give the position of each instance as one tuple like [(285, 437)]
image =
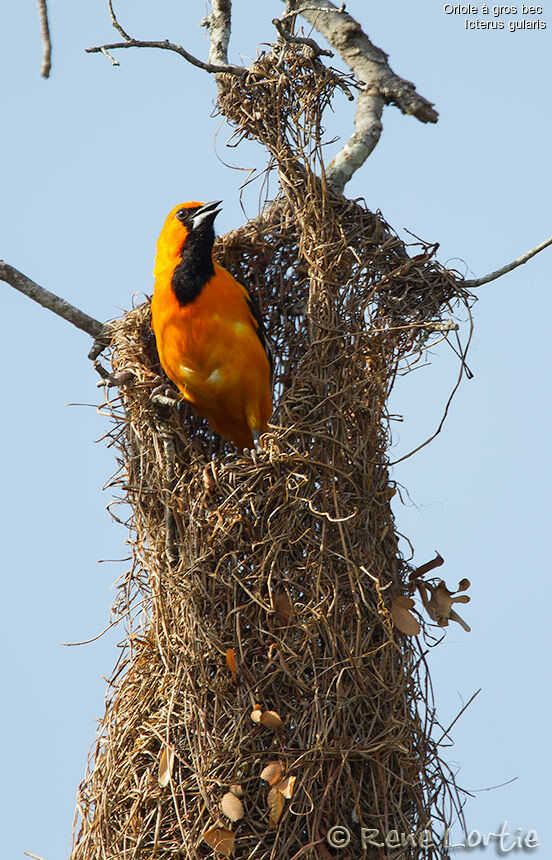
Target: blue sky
[(91, 162)]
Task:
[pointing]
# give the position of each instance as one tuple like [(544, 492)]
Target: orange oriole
[(209, 331)]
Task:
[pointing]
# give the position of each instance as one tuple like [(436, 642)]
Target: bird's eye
[(183, 215)]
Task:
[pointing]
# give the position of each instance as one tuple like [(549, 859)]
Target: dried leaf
[(439, 607), (402, 618), (256, 714), (284, 608), (221, 840), (237, 790), (425, 568), (405, 602), (165, 767), (272, 772), (405, 622), (231, 663), (275, 805), (231, 806), (440, 604), (285, 786), (271, 720)]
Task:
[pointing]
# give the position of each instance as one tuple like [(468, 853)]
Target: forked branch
[(218, 23), (381, 85), (286, 36), (165, 45)]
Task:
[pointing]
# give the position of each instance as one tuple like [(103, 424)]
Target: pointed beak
[(206, 214)]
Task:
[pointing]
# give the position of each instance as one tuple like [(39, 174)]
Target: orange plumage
[(209, 332)]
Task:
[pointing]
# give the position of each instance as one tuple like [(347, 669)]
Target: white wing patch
[(190, 375), (187, 372), (214, 378)]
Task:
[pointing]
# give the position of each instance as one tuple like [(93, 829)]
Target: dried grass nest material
[(265, 589)]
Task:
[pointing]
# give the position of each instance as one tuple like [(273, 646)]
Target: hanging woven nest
[(265, 695)]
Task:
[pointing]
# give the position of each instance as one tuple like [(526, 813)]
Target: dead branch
[(115, 22), (111, 59), (165, 45), (52, 302), (364, 139), (299, 40), (370, 64), (218, 24), (492, 276), (46, 40)]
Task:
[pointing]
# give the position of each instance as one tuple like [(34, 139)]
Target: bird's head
[(192, 219)]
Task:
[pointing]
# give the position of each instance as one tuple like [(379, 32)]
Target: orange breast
[(211, 351)]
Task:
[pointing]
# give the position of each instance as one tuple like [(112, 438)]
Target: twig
[(457, 717), (463, 369), (116, 24), (94, 638), (46, 40), (494, 787), (171, 541), (300, 40), (111, 59), (52, 302), (449, 325), (476, 282), (170, 46)]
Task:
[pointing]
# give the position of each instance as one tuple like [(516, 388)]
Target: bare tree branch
[(299, 40), (368, 128), (115, 22), (302, 9), (52, 302), (111, 59), (46, 40), (219, 23), (170, 46), (382, 86), (368, 62), (492, 276)]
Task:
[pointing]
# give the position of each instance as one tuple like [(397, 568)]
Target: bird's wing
[(260, 328)]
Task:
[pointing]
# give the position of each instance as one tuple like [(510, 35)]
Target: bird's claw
[(251, 452), (112, 380), (257, 449), (257, 441), (163, 395)]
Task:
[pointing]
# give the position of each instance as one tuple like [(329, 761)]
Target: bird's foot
[(112, 380), (257, 441), (257, 449), (251, 452), (165, 395)]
